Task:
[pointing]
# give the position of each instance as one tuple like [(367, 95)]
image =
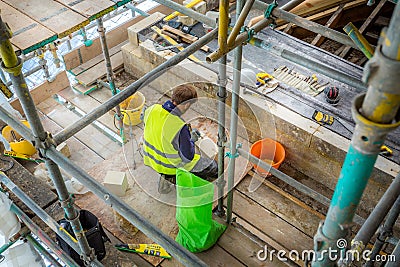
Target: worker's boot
[(164, 186)]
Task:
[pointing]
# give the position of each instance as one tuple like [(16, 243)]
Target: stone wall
[(310, 148)]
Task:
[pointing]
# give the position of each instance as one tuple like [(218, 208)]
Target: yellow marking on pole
[(68, 234), (176, 13), (173, 42)]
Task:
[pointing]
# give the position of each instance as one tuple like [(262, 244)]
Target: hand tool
[(386, 151), (148, 249), (323, 118)]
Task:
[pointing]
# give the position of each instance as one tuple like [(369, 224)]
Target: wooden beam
[(326, 13), (319, 39), (365, 25), (288, 28), (44, 90)]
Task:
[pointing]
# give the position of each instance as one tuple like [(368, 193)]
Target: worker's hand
[(195, 135)]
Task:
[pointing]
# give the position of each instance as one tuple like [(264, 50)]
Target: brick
[(116, 182), (145, 23)]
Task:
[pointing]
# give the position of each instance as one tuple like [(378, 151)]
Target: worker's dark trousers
[(205, 168)]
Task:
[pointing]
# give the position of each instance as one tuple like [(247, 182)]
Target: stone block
[(200, 8), (145, 23), (64, 149), (116, 182)]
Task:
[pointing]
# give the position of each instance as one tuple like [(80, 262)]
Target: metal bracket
[(220, 142), (380, 71), (67, 203), (43, 145), (231, 156), (370, 135), (250, 33), (270, 8), (5, 32), (221, 82), (16, 70)]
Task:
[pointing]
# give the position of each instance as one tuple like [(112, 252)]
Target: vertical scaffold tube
[(221, 134), (237, 66), (376, 114), (110, 75), (12, 64)]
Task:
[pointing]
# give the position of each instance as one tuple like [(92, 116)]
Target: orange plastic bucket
[(270, 151)]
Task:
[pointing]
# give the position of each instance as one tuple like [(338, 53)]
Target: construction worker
[(169, 143)]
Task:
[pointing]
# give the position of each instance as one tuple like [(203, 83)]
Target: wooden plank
[(239, 243), (82, 54), (286, 195), (81, 154), (292, 212), (216, 256), (311, 7), (319, 39), (187, 38), (87, 8), (26, 31), (45, 90), (86, 104), (94, 61), (365, 25), (56, 17), (274, 227), (90, 76)]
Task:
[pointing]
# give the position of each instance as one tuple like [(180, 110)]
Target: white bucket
[(22, 254), (9, 224)]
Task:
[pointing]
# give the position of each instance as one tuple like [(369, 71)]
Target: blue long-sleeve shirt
[(182, 141)]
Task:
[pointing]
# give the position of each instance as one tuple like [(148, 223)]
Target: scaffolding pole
[(371, 225), (188, 12), (395, 256), (12, 64), (132, 88), (222, 81), (176, 250), (376, 114), (43, 251), (35, 229), (385, 233), (237, 66), (310, 64), (48, 220), (110, 76), (282, 14)]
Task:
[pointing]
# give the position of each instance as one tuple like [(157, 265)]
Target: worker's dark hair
[(183, 93)]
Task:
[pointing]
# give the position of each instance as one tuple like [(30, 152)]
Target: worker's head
[(184, 96)]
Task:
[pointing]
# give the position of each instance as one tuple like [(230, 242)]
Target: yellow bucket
[(17, 143), (132, 108)]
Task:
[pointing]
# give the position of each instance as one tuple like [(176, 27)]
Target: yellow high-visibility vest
[(161, 127)]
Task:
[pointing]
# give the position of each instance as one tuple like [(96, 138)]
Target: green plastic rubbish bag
[(197, 230)]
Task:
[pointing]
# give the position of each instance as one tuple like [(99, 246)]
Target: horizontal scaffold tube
[(50, 222), (43, 236), (132, 88), (311, 64), (282, 14), (183, 255), (292, 182), (188, 12)]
